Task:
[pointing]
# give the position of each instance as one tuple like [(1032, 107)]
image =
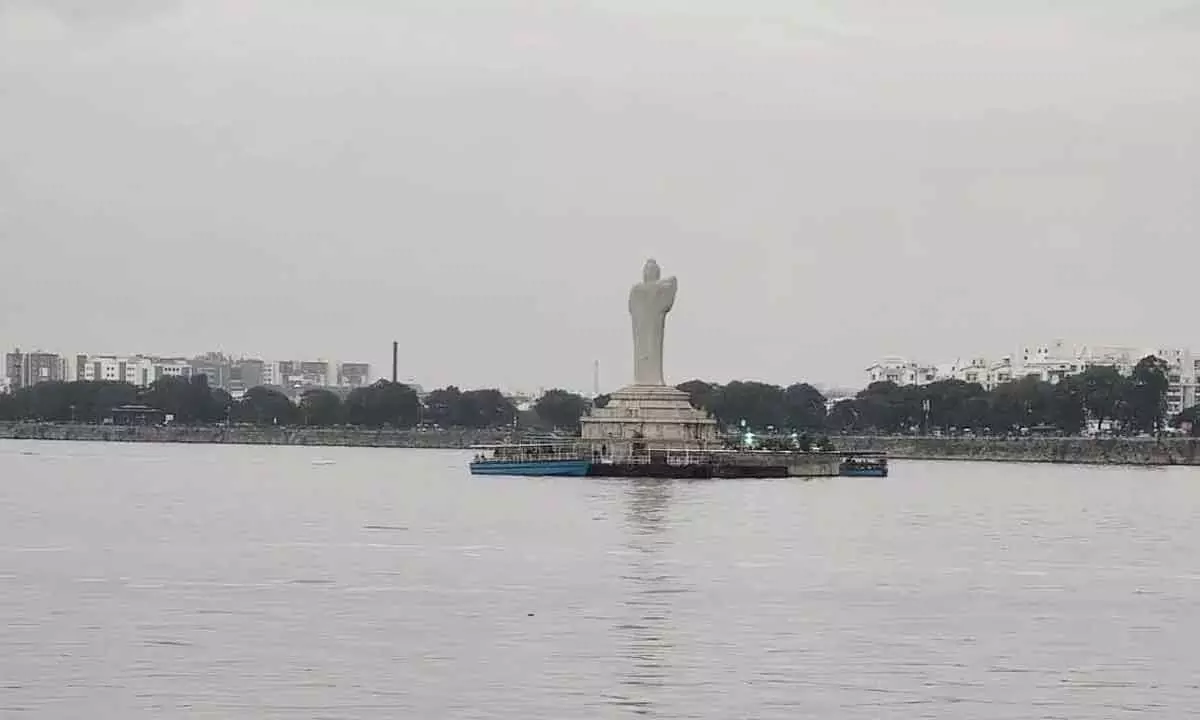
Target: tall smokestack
[(395, 360)]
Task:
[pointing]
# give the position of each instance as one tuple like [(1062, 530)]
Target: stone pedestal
[(644, 418)]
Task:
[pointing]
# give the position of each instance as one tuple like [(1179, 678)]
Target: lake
[(289, 582)]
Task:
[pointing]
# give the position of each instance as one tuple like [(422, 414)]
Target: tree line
[(191, 401), (1099, 396), (1126, 404)]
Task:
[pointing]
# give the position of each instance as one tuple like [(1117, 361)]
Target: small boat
[(864, 465), (539, 459)]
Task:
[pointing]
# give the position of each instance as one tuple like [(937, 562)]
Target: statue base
[(642, 418)]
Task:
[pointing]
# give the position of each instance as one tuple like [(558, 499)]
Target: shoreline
[(454, 439), (1147, 452), (1140, 452)]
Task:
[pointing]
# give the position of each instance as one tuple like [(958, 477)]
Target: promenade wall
[(344, 437), (1084, 451), (1108, 451)]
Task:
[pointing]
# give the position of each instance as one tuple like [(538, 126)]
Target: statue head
[(651, 273)]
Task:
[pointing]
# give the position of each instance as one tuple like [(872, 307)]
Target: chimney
[(395, 359)]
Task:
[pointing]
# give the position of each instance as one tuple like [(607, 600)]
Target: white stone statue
[(649, 303)]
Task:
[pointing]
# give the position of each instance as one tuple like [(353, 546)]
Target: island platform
[(576, 459)]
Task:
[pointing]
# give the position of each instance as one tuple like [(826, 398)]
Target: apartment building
[(352, 375), (1052, 363), (139, 370), (22, 369)]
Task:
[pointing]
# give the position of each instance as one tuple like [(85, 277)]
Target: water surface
[(276, 582)]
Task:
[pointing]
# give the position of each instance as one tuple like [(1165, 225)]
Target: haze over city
[(831, 183)]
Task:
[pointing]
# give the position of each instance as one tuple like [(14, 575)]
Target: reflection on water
[(647, 584)]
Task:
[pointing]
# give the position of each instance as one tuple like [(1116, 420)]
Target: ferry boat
[(538, 459), (864, 465)]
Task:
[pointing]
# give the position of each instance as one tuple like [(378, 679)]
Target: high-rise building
[(352, 375), (28, 369), (135, 369), (300, 374), (216, 367)]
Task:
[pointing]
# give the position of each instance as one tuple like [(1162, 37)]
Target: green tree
[(560, 409), (1070, 405), (265, 406), (952, 404), (451, 407), (486, 408), (188, 400), (843, 417), (320, 407), (1146, 396), (442, 406), (1189, 418), (804, 407), (1024, 403), (889, 408), (601, 400), (761, 405), (9, 407), (1103, 390), (383, 404), (702, 395)]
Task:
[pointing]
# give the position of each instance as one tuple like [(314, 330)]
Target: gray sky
[(830, 181)]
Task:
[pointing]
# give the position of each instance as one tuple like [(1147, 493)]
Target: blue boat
[(531, 460), (864, 465)]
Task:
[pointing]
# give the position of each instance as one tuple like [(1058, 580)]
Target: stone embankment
[(1087, 451), (346, 437), (1084, 451)]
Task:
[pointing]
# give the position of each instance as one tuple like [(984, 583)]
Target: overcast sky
[(830, 181)]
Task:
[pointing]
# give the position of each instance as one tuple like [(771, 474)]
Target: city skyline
[(1049, 361)]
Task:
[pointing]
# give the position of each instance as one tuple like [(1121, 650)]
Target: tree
[(1188, 419), (1146, 396), (602, 400), (1023, 403), (887, 407), (759, 404), (1103, 389), (843, 416), (485, 408), (450, 407), (383, 404), (951, 404), (189, 400), (1070, 405), (320, 407), (265, 406), (701, 394), (442, 406), (804, 407), (560, 409)]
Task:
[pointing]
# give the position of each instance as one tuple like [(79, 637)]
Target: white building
[(138, 370), (901, 372), (1182, 371), (897, 370), (1052, 363), (135, 370)]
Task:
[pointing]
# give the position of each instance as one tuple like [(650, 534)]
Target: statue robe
[(649, 303)]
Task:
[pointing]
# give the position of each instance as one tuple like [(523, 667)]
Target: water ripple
[(244, 587)]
